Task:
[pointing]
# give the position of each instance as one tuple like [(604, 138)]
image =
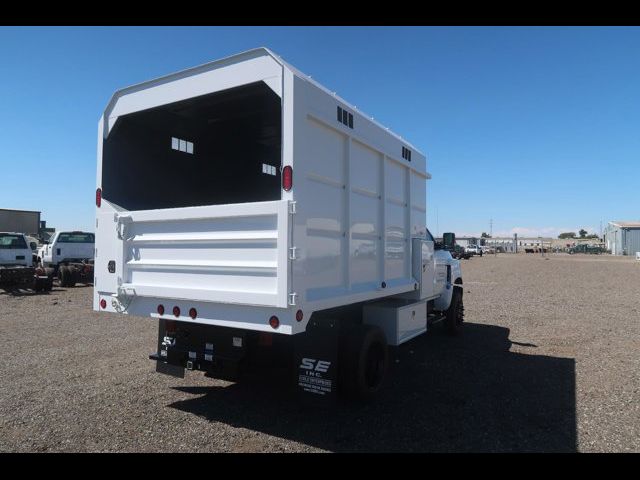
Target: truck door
[(429, 265)]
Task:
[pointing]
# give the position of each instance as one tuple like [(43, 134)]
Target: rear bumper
[(17, 275)]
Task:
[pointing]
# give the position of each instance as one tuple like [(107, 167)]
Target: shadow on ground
[(443, 394)]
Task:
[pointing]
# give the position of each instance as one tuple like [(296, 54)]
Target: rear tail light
[(160, 309), (274, 322), (299, 315), (176, 311), (287, 178), (103, 304), (193, 313), (98, 197)]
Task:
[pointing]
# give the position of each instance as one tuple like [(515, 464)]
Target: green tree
[(582, 233), (485, 235), (567, 235)]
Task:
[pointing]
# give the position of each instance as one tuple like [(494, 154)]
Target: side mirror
[(449, 239)]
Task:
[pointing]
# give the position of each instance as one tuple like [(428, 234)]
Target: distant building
[(518, 244), (506, 244), (21, 221), (623, 238)]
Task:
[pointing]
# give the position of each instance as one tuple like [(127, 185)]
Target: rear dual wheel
[(67, 276), (364, 362)]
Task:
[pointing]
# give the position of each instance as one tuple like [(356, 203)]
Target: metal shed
[(623, 238), (22, 221)]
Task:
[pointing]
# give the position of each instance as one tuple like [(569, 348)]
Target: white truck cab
[(250, 209), (473, 249), (70, 255), (16, 264), (67, 247), (14, 250)]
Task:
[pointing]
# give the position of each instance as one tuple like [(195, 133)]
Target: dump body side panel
[(359, 203)]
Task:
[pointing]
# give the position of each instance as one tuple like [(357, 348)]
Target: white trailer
[(241, 199)]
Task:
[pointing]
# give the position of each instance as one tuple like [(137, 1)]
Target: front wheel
[(455, 314)]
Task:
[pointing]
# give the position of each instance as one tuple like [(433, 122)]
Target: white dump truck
[(257, 215)]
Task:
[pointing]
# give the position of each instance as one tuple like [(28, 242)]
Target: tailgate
[(224, 253)]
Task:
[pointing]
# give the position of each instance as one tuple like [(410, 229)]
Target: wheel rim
[(374, 371)]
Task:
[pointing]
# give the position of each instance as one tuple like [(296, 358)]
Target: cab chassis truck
[(231, 201), (71, 261)]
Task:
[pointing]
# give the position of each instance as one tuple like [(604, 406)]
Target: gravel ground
[(549, 361)]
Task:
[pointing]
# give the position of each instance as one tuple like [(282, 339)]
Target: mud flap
[(316, 363), (168, 369), (162, 359)]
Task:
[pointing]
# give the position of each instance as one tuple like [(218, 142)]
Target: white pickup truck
[(254, 212), (473, 249), (70, 254), (16, 264)]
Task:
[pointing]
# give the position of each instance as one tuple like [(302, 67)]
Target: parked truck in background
[(16, 265), (260, 217), (473, 250), (70, 255)]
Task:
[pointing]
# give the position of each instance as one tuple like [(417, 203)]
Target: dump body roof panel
[(256, 52)]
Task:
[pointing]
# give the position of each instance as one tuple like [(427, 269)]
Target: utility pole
[(437, 225), (600, 239), (491, 227)]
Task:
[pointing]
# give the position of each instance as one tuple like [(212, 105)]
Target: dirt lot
[(549, 361)]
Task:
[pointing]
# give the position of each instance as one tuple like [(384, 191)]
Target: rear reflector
[(274, 322), (287, 178), (160, 309), (193, 313), (103, 304), (176, 311), (98, 197)]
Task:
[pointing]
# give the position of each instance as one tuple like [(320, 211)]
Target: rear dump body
[(241, 190)]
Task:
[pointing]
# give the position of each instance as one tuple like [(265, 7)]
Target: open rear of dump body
[(207, 150), (193, 214)]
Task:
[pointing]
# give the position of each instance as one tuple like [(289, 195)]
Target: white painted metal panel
[(223, 253), (400, 320), (214, 80)]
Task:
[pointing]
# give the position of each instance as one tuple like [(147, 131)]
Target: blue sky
[(537, 128)]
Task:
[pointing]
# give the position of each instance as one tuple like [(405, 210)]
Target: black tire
[(455, 313), (65, 276), (364, 362), (73, 276)]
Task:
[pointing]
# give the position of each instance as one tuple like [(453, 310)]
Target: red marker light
[(160, 309), (98, 197), (193, 313), (103, 304), (299, 315), (176, 311), (274, 322), (287, 178)]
